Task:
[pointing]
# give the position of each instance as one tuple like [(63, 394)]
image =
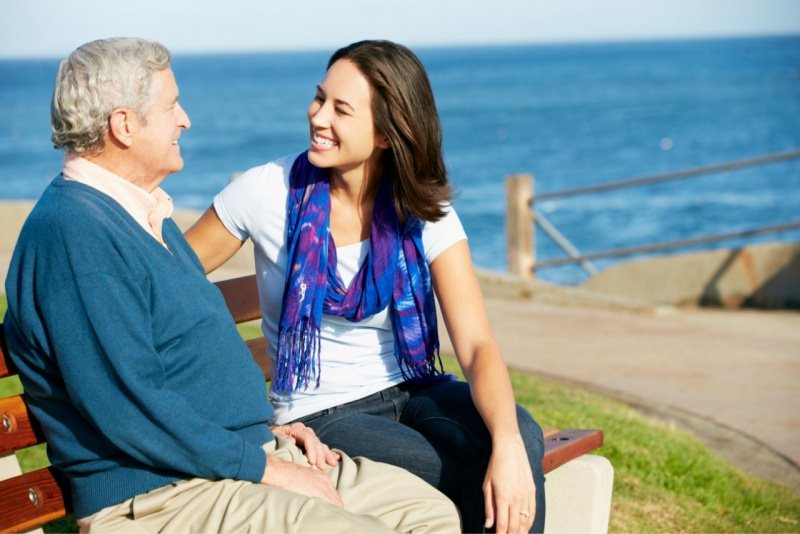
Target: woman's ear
[(120, 127), (383, 142)]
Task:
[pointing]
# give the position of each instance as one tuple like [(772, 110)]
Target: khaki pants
[(377, 498)]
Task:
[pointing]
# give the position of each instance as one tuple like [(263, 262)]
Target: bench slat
[(568, 445), (258, 349), (30, 500), (17, 430), (241, 296)]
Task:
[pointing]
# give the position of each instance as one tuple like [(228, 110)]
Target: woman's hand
[(508, 489), (317, 453)]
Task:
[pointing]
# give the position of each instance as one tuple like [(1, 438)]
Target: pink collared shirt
[(147, 209)]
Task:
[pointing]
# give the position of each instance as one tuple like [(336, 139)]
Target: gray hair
[(97, 78)]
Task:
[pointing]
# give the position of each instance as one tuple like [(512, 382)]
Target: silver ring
[(525, 514)]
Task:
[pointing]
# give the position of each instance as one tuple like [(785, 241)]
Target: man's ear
[(121, 127)]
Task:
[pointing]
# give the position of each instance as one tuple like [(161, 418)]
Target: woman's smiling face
[(342, 128)]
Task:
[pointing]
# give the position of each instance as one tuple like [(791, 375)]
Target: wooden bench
[(31, 499)]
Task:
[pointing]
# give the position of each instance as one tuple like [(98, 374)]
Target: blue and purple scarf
[(393, 274)]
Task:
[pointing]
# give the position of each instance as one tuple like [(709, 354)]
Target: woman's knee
[(531, 433)]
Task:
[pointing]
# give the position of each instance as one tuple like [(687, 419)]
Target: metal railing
[(522, 217)]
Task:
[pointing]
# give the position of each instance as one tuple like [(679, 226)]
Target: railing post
[(519, 225)]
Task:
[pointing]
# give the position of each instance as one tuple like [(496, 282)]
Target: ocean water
[(571, 115)]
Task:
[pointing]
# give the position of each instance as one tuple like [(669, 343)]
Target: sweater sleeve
[(101, 334)]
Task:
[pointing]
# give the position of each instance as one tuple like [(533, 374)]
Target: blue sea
[(571, 115)]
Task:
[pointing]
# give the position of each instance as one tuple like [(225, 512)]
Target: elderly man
[(152, 407)]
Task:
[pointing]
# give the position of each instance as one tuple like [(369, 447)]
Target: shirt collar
[(149, 209)]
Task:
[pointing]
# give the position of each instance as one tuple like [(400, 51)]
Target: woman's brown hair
[(404, 111)]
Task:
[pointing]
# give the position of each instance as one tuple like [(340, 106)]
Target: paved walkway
[(731, 377)]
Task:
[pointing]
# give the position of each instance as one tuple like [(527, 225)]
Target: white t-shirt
[(357, 359)]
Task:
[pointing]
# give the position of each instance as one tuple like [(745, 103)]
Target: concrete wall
[(761, 276)]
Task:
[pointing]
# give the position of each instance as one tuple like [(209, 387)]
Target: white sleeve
[(440, 235), (254, 204), (237, 204)]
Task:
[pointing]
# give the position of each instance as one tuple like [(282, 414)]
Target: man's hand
[(317, 453), (300, 479)]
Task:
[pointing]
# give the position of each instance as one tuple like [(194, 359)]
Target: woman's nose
[(319, 115)]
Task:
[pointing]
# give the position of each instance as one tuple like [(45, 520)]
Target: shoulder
[(438, 236), (449, 222), (255, 198), (268, 179), (67, 210), (74, 230)]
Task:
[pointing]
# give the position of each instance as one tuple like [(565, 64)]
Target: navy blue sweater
[(128, 355)]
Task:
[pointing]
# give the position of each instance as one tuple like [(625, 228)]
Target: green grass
[(664, 479)]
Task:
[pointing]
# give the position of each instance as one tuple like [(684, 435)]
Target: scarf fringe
[(427, 371), (298, 359)]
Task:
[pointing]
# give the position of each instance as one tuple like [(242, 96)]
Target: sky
[(53, 28)]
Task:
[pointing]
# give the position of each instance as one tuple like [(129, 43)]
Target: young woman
[(352, 238)]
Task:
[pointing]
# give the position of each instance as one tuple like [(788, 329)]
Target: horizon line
[(179, 51)]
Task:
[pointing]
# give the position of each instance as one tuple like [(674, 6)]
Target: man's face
[(156, 142)]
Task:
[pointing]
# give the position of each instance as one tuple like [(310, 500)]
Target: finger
[(297, 427), (309, 438), (527, 513), (488, 506), (532, 511), (322, 456), (332, 457), (502, 516), (514, 517), (311, 454)]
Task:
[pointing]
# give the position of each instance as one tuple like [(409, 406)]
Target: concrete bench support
[(579, 496)]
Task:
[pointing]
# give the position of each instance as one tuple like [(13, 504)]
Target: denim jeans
[(436, 433)]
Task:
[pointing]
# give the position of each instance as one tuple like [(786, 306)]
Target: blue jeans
[(436, 433)]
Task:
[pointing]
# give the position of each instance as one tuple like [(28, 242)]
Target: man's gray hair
[(97, 78)]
